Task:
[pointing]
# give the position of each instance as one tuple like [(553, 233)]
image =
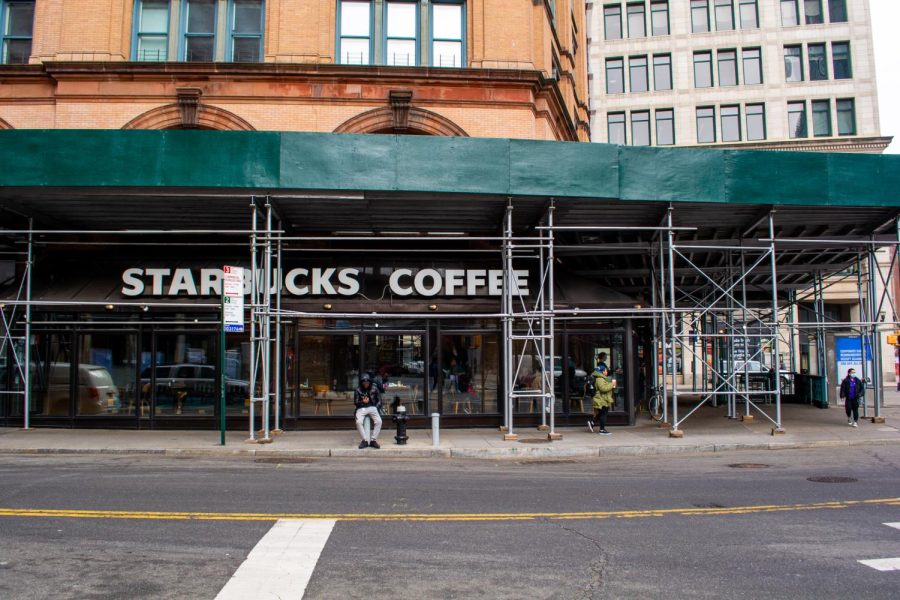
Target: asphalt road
[(666, 527)]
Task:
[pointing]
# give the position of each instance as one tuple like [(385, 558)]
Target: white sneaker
[(854, 424), (591, 426), (850, 422)]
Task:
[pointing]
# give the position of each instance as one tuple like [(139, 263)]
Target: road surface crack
[(596, 568)]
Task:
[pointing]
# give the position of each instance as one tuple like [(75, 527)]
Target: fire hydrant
[(400, 418)]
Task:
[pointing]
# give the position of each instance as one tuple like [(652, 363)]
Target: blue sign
[(234, 329), (848, 352)]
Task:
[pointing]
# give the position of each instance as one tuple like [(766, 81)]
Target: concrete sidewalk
[(707, 430)]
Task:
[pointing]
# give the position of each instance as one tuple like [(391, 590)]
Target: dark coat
[(373, 394), (845, 388)]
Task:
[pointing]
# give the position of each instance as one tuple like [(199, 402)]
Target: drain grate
[(832, 479), (534, 441), (749, 466), (276, 460)]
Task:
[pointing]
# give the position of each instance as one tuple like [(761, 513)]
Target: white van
[(97, 392)]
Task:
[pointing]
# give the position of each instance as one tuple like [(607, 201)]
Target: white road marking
[(883, 564), (282, 563), (894, 525)]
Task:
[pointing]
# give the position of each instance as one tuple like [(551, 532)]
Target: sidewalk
[(707, 430)]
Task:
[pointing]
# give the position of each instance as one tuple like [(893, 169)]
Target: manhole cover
[(534, 441), (749, 466), (831, 479)]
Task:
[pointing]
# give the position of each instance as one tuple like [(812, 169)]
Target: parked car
[(97, 392), (191, 385)]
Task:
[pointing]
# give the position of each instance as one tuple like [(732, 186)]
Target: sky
[(885, 17)]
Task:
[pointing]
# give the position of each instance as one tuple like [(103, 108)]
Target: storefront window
[(465, 377), (237, 374), (51, 375), (182, 374), (106, 374), (397, 365), (328, 367), (584, 349), (528, 372)]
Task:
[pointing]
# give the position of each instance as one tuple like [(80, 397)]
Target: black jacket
[(845, 388), (373, 394)]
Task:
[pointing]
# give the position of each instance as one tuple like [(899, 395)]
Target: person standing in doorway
[(851, 392), (603, 398), (367, 399)]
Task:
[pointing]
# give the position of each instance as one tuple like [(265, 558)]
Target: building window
[(813, 11), (840, 56), (752, 58), (699, 16), (246, 17), (662, 71), (727, 67), (615, 76), (793, 63), (356, 33), (706, 125), (151, 30), (821, 118), (17, 19), (790, 15), (703, 77), (846, 117), (612, 21), (837, 11), (640, 128), (731, 123), (756, 121), (637, 73), (659, 18), (199, 30), (615, 122), (818, 62), (447, 47), (724, 15), (797, 120), (401, 34), (749, 14), (636, 24), (665, 127)]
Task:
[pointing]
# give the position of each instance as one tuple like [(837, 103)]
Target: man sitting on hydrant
[(367, 400)]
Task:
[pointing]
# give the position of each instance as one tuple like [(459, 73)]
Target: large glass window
[(837, 11), (182, 374), (846, 117), (821, 118), (662, 71), (637, 26), (447, 47), (749, 14), (152, 30), (659, 17), (699, 16), (640, 128), (246, 31), (790, 14), (17, 20), (727, 67), (793, 63), (612, 21), (396, 363), (756, 121), (706, 125), (818, 62), (731, 123), (328, 367), (665, 127), (724, 15), (583, 350), (106, 374), (52, 373), (199, 30), (703, 69), (615, 75), (752, 58), (840, 54), (615, 123), (637, 73), (356, 33), (468, 374), (812, 9), (797, 120), (401, 34)]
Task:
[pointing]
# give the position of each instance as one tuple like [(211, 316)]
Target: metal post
[(654, 361), (778, 428), (508, 329), (863, 331), (663, 324), (266, 339), (278, 348), (543, 355), (26, 376), (820, 331), (675, 432), (875, 344), (253, 286), (746, 339), (222, 388), (551, 258), (792, 335)]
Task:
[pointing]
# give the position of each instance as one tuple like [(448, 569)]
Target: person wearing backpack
[(602, 398)]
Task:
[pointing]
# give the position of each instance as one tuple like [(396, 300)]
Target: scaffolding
[(739, 311)]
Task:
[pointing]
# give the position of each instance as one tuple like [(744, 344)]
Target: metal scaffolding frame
[(718, 313)]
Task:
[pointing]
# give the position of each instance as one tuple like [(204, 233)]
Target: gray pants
[(376, 422)]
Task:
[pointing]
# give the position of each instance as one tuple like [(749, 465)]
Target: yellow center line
[(619, 514)]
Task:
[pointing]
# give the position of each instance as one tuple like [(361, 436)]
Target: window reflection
[(329, 374)]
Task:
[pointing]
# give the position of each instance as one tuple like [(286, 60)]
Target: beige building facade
[(769, 74)]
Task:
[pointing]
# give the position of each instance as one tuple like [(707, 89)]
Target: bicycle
[(655, 403)]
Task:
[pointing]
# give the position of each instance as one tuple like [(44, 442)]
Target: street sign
[(233, 299)]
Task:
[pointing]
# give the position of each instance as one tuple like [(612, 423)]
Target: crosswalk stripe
[(894, 525), (883, 564), (282, 563)]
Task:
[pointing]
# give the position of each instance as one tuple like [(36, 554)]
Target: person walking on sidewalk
[(367, 399), (603, 398), (851, 392)]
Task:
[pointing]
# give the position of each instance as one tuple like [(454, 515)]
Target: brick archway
[(418, 121), (171, 116)]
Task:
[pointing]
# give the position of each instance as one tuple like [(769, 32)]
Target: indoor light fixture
[(110, 307), (327, 306), (432, 307)]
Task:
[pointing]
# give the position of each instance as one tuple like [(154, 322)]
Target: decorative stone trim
[(403, 118), (172, 116)]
